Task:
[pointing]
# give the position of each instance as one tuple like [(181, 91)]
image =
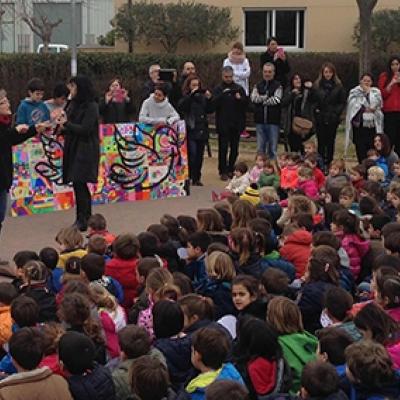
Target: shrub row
[(17, 69)]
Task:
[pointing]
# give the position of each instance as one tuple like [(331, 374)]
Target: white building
[(92, 16)]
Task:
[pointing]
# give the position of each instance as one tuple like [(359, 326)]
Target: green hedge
[(17, 69)]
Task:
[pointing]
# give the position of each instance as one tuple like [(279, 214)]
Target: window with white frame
[(285, 24)]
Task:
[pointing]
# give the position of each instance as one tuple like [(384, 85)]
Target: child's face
[(37, 95), (237, 173), (355, 176), (395, 200), (396, 169), (309, 149), (334, 227), (291, 162), (282, 162), (193, 252), (61, 247), (241, 297), (334, 171), (373, 177), (268, 170), (345, 201), (260, 162)]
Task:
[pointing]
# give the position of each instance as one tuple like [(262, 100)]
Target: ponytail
[(244, 241)]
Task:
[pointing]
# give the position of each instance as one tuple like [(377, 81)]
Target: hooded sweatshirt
[(310, 188), (157, 113), (32, 112), (197, 386), (298, 349), (297, 249)]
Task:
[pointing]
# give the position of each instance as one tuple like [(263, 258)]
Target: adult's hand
[(238, 96), (208, 94), (108, 97), (22, 128), (42, 126), (308, 84)]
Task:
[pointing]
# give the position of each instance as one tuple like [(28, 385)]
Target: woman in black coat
[(297, 101), (10, 136), (81, 147), (116, 105), (194, 106), (330, 98)]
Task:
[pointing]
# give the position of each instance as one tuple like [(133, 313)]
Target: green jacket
[(298, 349), (269, 180)]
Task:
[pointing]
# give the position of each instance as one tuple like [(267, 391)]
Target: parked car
[(53, 48)]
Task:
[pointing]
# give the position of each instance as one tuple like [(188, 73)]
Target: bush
[(17, 69)]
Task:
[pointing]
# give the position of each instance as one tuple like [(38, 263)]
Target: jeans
[(267, 135), (83, 202), (227, 138), (3, 205), (196, 156)]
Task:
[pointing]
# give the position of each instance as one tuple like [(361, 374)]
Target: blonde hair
[(70, 237), (102, 297), (378, 172), (284, 315), (160, 285), (220, 265), (268, 194), (340, 164)]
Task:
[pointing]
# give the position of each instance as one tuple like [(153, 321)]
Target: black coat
[(329, 105), (113, 112), (10, 137), (45, 300), (267, 114), (282, 68), (97, 384), (229, 111), (194, 107), (81, 147)]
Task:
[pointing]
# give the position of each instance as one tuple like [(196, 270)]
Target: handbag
[(302, 126)]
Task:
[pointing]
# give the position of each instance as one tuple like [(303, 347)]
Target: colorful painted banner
[(137, 162)]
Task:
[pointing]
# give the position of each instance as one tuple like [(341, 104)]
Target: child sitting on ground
[(348, 199), (210, 348), (123, 266), (49, 257), (379, 160), (310, 148), (7, 294), (70, 242), (254, 174), (269, 201), (357, 176), (97, 225), (377, 174), (311, 162), (306, 183), (289, 174), (337, 177), (269, 175)]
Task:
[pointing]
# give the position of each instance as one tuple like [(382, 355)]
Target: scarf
[(327, 85), (356, 101), (5, 120)]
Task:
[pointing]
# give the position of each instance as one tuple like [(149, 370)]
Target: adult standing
[(330, 99), (297, 101), (266, 97), (116, 105), (10, 136), (389, 84), (195, 104), (154, 75), (177, 87), (277, 56), (385, 149), (364, 117), (230, 104), (81, 146)]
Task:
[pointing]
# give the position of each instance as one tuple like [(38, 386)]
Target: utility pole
[(74, 60), (130, 42)]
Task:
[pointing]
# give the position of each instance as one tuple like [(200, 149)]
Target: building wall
[(328, 25)]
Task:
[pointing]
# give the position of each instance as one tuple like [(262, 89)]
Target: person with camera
[(230, 103), (364, 117), (266, 97), (297, 112), (116, 105), (389, 84), (194, 106)]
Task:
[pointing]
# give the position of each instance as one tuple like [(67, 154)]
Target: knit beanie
[(77, 352), (252, 195)]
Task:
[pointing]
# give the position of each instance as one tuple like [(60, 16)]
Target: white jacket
[(241, 73), (239, 185), (152, 112)]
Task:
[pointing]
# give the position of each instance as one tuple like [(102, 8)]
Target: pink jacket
[(394, 353), (110, 331), (394, 313), (356, 248), (254, 174), (310, 188)]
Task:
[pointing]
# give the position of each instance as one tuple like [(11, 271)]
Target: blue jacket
[(54, 283), (31, 112), (197, 386), (196, 270), (274, 260)]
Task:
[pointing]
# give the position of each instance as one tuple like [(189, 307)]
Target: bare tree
[(41, 25), (366, 8)]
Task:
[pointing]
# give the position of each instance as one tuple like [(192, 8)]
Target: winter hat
[(77, 352), (252, 195)]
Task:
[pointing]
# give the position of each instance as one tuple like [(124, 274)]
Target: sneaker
[(224, 177), (245, 134)]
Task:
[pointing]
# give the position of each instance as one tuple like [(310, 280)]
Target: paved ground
[(37, 231)]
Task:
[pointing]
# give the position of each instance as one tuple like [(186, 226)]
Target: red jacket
[(289, 177), (319, 177), (391, 100), (297, 249), (124, 271)]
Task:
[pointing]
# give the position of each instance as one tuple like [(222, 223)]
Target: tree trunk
[(130, 41), (365, 7)]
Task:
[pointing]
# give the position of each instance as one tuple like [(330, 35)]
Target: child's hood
[(301, 236), (302, 344), (357, 242)]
